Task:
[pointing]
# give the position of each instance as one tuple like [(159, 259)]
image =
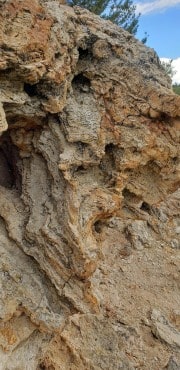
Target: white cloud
[(176, 67), (155, 5)]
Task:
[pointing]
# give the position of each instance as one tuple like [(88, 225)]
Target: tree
[(120, 12), (176, 89), (170, 71), (168, 68)]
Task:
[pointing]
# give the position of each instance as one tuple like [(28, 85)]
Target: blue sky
[(161, 20)]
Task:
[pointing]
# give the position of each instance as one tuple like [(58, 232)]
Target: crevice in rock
[(83, 53), (80, 169), (10, 175), (98, 226), (129, 196), (109, 148), (81, 146), (57, 55), (31, 90), (81, 82), (44, 367), (126, 193), (145, 207)]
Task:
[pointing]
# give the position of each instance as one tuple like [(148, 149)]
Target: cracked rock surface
[(89, 200)]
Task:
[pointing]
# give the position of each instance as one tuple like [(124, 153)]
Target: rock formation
[(88, 195)]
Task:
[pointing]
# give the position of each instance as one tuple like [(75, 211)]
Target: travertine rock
[(163, 330), (172, 364), (89, 227)]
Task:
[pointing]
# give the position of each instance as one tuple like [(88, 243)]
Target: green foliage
[(144, 39), (123, 14), (168, 68), (120, 12), (176, 89)]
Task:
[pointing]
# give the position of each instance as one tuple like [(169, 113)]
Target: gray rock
[(172, 364), (163, 330)]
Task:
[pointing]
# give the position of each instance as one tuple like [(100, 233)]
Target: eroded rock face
[(88, 194)]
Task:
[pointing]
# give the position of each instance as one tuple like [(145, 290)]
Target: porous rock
[(88, 180)]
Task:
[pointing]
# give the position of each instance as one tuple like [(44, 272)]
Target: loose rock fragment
[(163, 330)]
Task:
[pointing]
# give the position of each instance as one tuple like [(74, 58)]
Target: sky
[(161, 20)]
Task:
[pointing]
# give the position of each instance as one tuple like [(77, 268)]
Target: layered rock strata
[(88, 195)]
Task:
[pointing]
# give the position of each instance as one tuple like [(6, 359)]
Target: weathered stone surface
[(172, 364), (89, 201), (162, 329), (3, 122)]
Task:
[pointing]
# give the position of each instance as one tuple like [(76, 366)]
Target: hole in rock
[(81, 146), (31, 90), (145, 207), (57, 55), (6, 47), (10, 176), (126, 193), (175, 159), (109, 148), (110, 156), (165, 117), (80, 168), (83, 53), (131, 199), (98, 226), (82, 82)]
